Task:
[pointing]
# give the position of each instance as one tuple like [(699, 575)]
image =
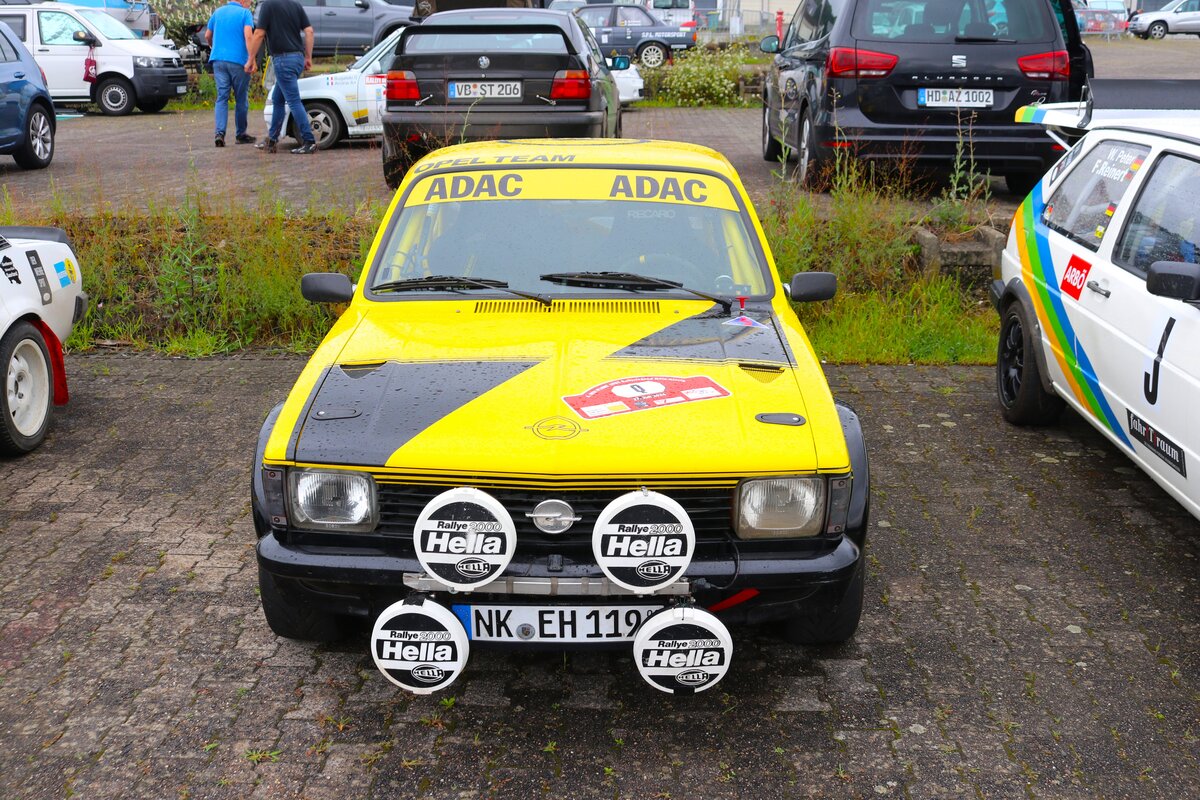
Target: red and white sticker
[(1075, 277), (642, 394)]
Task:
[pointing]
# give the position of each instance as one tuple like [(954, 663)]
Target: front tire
[(115, 97), (37, 150), (772, 148), (1023, 401), (830, 623), (326, 124), (1157, 30), (289, 619), (652, 55), (28, 389)]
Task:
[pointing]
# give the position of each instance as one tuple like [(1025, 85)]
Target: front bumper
[(159, 83), (449, 125), (745, 588)]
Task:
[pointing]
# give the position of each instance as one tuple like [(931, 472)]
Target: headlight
[(337, 501), (775, 508), (146, 62)]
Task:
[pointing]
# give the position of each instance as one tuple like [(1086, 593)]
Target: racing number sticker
[(640, 394)]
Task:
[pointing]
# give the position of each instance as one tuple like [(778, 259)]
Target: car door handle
[(331, 13), (1098, 289), (43, 49), (18, 75)]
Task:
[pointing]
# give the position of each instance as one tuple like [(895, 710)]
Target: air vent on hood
[(567, 307)]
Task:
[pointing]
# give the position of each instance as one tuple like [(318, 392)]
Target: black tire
[(398, 155), (1023, 400), (152, 106), (830, 623), (37, 150), (290, 619), (326, 124), (1021, 183), (26, 390), (115, 97), (652, 54), (772, 148), (1157, 30)]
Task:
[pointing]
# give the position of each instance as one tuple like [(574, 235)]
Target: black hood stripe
[(394, 402)]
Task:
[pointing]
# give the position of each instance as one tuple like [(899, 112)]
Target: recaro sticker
[(419, 645), (682, 650), (641, 394), (464, 538), (643, 541)]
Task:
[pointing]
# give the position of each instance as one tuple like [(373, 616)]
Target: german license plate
[(180, 89), (954, 98), (485, 90), (488, 623)]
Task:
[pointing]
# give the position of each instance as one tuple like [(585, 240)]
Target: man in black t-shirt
[(289, 35)]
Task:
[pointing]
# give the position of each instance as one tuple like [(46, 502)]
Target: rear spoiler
[(424, 8), (414, 30), (1111, 102)]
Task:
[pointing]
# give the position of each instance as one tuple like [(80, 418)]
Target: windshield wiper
[(983, 39), (435, 282), (627, 280)]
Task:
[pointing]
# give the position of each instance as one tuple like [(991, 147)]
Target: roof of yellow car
[(642, 152)]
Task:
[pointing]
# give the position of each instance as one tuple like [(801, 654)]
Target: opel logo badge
[(484, 62), (553, 516), (555, 428)]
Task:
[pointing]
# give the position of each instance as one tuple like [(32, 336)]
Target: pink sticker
[(640, 394)]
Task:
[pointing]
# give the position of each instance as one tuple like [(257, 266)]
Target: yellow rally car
[(568, 405)]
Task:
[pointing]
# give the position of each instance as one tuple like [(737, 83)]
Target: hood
[(639, 388), (139, 47)]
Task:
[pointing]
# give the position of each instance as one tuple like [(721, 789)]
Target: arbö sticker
[(464, 538), (419, 645), (643, 541), (682, 650)]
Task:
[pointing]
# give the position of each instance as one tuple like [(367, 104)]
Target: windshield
[(951, 20), (109, 27), (517, 226)]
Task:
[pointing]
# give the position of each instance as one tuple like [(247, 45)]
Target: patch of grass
[(700, 77)]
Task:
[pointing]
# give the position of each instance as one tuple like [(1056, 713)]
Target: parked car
[(673, 12), (1099, 287), (1115, 7), (924, 81), (1182, 16), (27, 113), (353, 26), (482, 451), (41, 300), (130, 72), (1098, 20), (492, 74), (633, 31)]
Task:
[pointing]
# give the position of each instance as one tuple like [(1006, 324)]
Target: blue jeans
[(288, 68), (231, 76)]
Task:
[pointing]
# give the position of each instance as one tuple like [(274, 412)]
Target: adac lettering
[(458, 187), (1150, 379), (645, 187)]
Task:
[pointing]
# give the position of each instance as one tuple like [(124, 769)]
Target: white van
[(673, 12), (129, 70)]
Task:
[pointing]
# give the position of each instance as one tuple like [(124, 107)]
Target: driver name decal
[(1161, 446), (642, 394)]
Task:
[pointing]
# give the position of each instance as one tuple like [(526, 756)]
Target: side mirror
[(809, 286), (86, 38), (361, 4), (326, 287), (1174, 279), (769, 44), (618, 63)]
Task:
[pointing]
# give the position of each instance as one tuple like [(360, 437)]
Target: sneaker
[(267, 145), (308, 148), (219, 140), (245, 138)]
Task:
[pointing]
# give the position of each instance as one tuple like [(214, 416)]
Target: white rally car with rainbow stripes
[(1099, 286)]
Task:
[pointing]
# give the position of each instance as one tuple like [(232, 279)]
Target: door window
[(595, 17), (1084, 203), (16, 22), (339, 3), (1164, 224), (7, 51), (633, 17), (58, 28)]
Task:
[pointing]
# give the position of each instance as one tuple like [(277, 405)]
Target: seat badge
[(958, 62), (484, 62)]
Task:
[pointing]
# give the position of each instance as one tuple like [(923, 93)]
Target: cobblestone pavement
[(1030, 630)]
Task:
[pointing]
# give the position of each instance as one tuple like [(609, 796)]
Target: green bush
[(699, 77)]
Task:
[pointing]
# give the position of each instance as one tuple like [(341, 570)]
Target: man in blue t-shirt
[(229, 31)]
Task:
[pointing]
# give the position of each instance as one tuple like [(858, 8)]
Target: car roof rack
[(1169, 104)]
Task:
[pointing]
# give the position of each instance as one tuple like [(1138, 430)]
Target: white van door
[(59, 55)]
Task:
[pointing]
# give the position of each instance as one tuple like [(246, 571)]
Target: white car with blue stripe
[(41, 299)]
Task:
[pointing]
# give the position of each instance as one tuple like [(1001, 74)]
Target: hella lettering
[(644, 187), (425, 651), (675, 659), (470, 544), (638, 547), (1075, 276), (459, 187)]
